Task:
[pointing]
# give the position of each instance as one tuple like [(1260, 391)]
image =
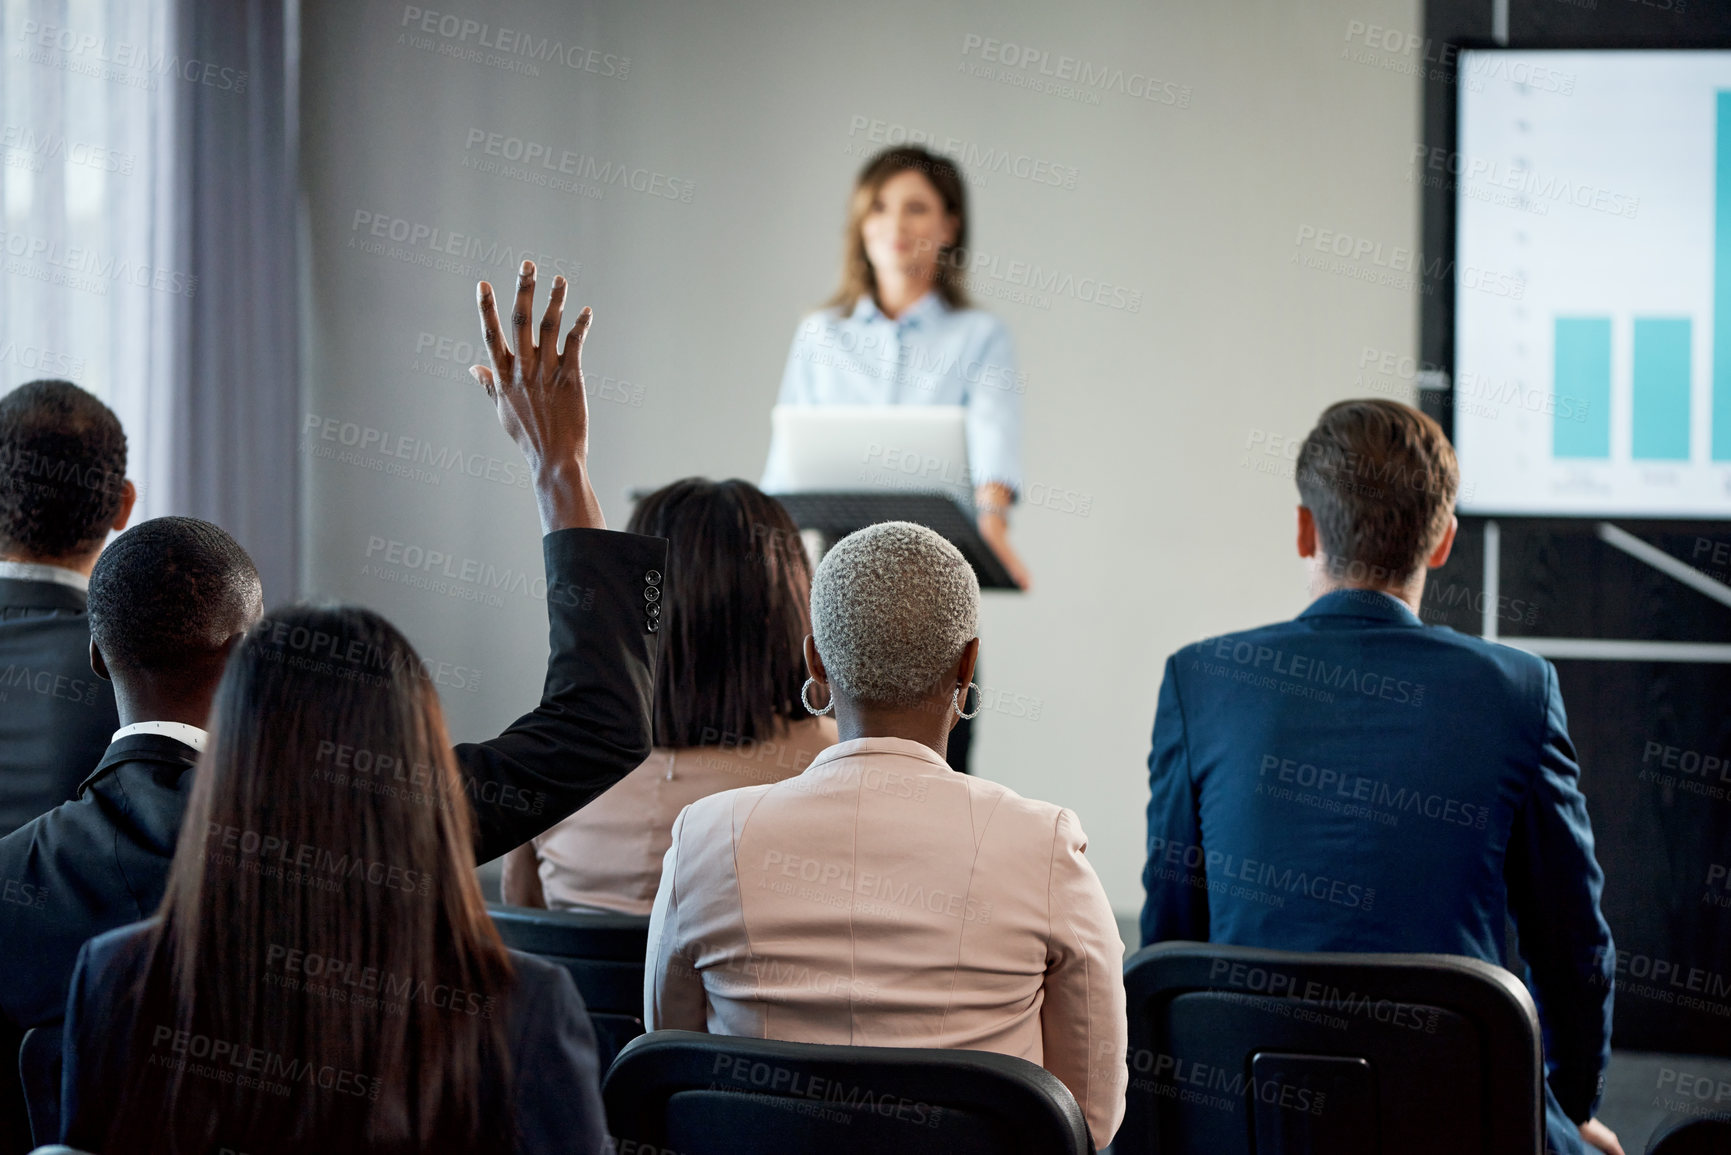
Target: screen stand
[(1607, 649)]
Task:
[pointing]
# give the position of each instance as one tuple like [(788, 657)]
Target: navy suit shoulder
[(1317, 656), (1520, 667), (91, 865), (555, 1079), (56, 715)]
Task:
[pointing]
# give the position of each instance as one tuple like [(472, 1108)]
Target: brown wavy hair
[(372, 871), (857, 278)]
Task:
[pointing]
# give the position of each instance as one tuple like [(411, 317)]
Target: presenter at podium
[(900, 331)]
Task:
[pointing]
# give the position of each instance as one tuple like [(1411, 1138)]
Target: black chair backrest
[(39, 1069), (603, 952), (1708, 1135), (701, 1094), (1235, 1051)]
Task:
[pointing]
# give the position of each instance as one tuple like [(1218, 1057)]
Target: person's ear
[(965, 667), (814, 661), (1306, 533), (128, 499), (1440, 554), (97, 665)]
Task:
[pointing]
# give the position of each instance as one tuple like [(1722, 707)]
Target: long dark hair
[(857, 277), (322, 930), (738, 607)]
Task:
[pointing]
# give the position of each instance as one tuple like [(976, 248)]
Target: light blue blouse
[(930, 355)]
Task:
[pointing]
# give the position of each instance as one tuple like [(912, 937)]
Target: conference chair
[(1708, 1135), (1235, 1051), (39, 1060), (701, 1094), (603, 952)]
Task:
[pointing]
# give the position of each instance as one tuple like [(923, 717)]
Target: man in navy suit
[(1354, 780), (63, 487)]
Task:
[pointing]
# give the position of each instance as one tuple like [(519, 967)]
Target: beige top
[(607, 856), (882, 899)]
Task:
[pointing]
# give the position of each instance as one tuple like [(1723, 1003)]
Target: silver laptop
[(892, 448)]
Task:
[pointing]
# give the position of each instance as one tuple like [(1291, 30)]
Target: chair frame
[(1489, 996), (621, 939), (39, 1064), (654, 1067)]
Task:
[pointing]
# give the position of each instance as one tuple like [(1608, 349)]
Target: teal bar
[(1583, 388), (1661, 389), (1722, 281)]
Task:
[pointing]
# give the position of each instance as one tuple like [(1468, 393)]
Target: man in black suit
[(171, 596), (62, 488)]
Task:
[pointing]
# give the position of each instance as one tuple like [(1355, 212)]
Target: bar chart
[(1604, 387), (1659, 387), (1583, 360)]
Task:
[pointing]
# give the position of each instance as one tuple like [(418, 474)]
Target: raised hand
[(537, 391)]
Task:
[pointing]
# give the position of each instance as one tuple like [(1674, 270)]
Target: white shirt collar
[(179, 731), (29, 571)]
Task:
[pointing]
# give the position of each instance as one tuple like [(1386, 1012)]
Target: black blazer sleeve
[(594, 724)]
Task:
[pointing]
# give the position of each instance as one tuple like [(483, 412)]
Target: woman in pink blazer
[(880, 898), (726, 696)]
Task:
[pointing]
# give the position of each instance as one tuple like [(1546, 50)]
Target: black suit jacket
[(555, 1091), (102, 861), (56, 716)]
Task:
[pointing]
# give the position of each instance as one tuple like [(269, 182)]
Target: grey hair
[(892, 605)]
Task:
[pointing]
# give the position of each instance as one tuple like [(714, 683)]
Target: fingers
[(521, 314), (492, 334), (548, 342), (485, 376), (571, 360)]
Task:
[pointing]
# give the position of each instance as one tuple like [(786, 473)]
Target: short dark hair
[(736, 612), (1380, 479), (168, 591), (62, 470)]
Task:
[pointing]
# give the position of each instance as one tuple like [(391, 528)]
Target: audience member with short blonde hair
[(881, 898)]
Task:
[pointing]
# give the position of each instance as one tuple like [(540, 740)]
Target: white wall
[(1147, 414)]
